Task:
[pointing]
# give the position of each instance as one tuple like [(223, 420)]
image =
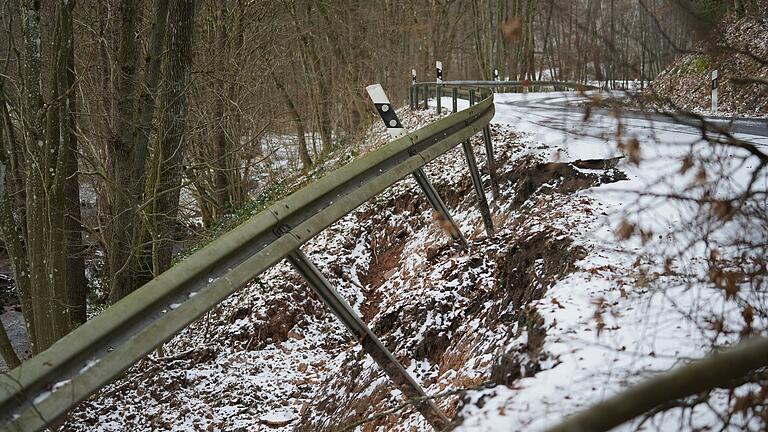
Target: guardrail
[(420, 93), (45, 387)]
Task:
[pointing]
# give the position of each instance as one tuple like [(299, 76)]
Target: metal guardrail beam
[(492, 84), (49, 384)]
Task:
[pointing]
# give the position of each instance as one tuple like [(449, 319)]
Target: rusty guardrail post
[(477, 182), (491, 161), (443, 217), (439, 98), (370, 343), (455, 99)]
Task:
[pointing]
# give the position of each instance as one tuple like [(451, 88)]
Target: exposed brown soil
[(527, 265), (384, 262), (529, 269), (530, 174)]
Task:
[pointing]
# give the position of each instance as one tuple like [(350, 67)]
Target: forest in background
[(110, 109)]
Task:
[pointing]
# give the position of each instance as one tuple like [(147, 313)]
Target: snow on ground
[(552, 309), (649, 324)]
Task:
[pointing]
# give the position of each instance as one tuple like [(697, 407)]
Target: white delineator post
[(413, 76), (387, 113), (714, 90), (443, 215), (495, 74), (439, 67)]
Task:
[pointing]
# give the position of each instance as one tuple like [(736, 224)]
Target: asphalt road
[(555, 103)]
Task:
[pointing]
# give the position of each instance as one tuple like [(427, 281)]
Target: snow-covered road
[(540, 108)]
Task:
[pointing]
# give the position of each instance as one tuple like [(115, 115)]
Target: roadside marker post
[(414, 93), (392, 123), (438, 87), (385, 110), (714, 91)]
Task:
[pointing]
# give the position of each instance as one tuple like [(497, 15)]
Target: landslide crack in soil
[(527, 264)]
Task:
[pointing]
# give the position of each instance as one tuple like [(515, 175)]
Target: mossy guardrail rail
[(37, 393)]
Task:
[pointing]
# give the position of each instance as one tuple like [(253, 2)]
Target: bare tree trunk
[(220, 139), (148, 97), (718, 369), (44, 182), (6, 349), (171, 152), (128, 261), (121, 253), (306, 161), (13, 215), (77, 285), (319, 78)]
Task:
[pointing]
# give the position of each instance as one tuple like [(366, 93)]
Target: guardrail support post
[(477, 182), (439, 98), (455, 99), (426, 96), (370, 343), (491, 161), (471, 97), (439, 206), (410, 96)]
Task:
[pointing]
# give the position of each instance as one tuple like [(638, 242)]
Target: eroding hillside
[(740, 54), (273, 356)]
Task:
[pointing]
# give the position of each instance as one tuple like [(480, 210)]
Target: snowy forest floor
[(547, 316)]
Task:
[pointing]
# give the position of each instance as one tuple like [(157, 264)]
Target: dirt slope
[(686, 83), (273, 358)]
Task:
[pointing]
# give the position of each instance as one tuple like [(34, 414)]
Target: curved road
[(557, 110)]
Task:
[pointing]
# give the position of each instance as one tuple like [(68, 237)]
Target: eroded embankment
[(272, 357), (461, 319)]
